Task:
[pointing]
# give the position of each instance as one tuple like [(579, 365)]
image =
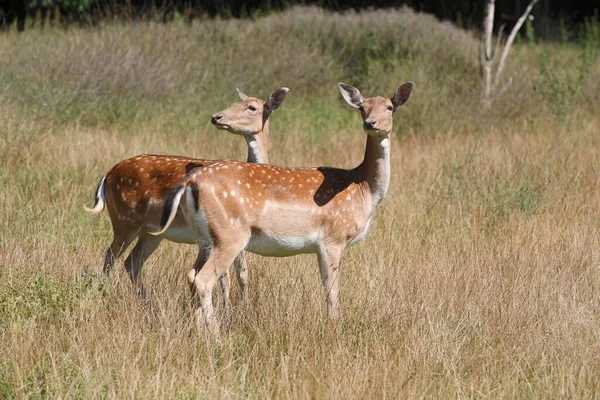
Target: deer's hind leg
[(145, 246), (216, 266), (224, 280), (118, 246), (241, 270)]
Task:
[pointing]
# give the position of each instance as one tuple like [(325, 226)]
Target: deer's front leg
[(329, 262)]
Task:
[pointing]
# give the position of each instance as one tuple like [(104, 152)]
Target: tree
[(493, 89)]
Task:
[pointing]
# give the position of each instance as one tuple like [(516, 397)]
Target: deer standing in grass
[(278, 211), (135, 190)]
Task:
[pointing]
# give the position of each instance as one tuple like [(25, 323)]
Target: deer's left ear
[(241, 95), (276, 99), (402, 94)]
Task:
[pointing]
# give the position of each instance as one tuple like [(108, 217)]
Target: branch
[(498, 39), (486, 53), (488, 27), (511, 39)]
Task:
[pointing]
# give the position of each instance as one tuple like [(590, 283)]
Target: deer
[(283, 211), (135, 189)]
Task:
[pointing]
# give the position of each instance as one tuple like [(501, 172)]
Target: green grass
[(480, 274)]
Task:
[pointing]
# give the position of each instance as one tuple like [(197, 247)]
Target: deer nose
[(215, 118), (370, 124)]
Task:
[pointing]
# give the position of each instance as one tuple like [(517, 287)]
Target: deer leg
[(144, 247), (223, 280), (241, 270), (329, 262), (116, 248), (225, 286), (203, 253), (217, 264)]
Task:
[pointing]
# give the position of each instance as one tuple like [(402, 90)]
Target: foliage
[(69, 5), (590, 37)]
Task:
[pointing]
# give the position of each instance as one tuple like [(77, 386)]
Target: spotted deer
[(135, 190), (279, 211)]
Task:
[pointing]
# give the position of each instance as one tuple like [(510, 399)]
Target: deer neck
[(258, 145), (374, 171)]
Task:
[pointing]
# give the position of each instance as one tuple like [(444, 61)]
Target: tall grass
[(479, 277)]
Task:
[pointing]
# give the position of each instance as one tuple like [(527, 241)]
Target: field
[(480, 276)]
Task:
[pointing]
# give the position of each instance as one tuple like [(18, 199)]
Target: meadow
[(480, 276)]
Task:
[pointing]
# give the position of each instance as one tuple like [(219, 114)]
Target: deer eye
[(390, 108), (252, 107)]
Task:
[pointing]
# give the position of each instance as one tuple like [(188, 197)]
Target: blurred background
[(555, 19)]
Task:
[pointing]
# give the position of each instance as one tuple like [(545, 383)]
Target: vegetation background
[(481, 273), (554, 18)]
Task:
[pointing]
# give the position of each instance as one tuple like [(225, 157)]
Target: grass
[(480, 276)]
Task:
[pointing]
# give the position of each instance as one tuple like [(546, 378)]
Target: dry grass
[(480, 276)]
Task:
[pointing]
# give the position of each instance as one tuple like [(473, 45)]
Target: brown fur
[(135, 189), (279, 211)]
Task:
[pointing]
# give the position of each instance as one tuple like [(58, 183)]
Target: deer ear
[(351, 95), (402, 94), (241, 95), (276, 99)]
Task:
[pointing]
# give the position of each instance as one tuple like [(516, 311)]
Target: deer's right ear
[(241, 95), (402, 94), (351, 95), (276, 99)]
